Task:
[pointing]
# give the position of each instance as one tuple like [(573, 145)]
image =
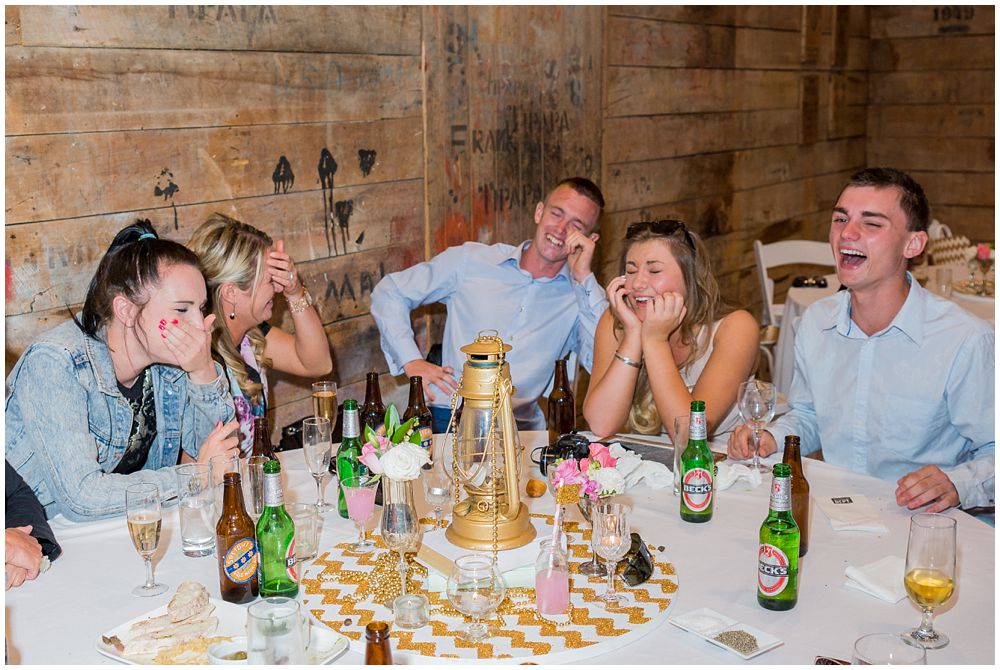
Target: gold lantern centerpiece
[(485, 454)]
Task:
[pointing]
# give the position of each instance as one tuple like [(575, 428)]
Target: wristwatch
[(302, 302)]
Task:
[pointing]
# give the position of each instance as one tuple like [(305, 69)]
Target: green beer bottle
[(778, 555), (276, 539), (697, 470), (349, 453)]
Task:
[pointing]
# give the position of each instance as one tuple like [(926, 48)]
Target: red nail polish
[(174, 322), (162, 327), (163, 322), (163, 335)]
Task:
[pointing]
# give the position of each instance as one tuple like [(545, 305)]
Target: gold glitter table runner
[(346, 591)]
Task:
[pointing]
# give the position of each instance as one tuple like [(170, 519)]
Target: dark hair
[(129, 267), (911, 197), (584, 187)]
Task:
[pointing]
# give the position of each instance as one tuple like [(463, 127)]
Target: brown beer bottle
[(262, 438), (236, 545), (377, 650), (373, 411), (800, 491), (418, 408), (561, 417)]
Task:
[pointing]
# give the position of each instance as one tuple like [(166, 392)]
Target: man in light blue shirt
[(540, 296), (890, 379)]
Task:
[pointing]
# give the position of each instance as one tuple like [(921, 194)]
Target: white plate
[(707, 623), (325, 644)]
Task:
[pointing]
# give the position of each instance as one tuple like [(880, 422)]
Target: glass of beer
[(142, 511), (325, 402), (930, 572)]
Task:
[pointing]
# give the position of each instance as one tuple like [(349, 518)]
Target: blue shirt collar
[(514, 258), (909, 320)]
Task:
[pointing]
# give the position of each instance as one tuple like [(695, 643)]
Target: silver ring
[(291, 276)]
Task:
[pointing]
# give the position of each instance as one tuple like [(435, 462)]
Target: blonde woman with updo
[(244, 270), (667, 339)]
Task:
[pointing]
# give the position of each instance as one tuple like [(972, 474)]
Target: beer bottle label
[(781, 494), (240, 562), (698, 430), (291, 566), (273, 495), (697, 489), (772, 570), (426, 437)]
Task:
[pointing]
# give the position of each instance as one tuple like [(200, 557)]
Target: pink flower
[(567, 472), (600, 453), (983, 251), (370, 458), (592, 489)]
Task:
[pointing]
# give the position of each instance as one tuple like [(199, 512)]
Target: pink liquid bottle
[(552, 578)]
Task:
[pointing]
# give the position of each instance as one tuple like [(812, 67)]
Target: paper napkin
[(634, 469), (882, 579), (730, 473), (852, 512)]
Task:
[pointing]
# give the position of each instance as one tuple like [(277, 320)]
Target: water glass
[(888, 649), (196, 506), (942, 281), (276, 633), (679, 438), (306, 520), (219, 465)]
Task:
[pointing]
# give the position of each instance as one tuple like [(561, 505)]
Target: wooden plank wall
[(171, 113), (743, 121), (931, 107)]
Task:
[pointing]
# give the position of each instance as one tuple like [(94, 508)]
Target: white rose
[(611, 481), (403, 461)]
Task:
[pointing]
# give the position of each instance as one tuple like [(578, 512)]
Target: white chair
[(768, 256)]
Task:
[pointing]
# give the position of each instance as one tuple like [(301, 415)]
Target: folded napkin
[(631, 466), (852, 512), (730, 473), (882, 579)]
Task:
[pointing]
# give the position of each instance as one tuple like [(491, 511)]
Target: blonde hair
[(232, 251), (704, 305)]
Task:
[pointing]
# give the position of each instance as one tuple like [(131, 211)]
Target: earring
[(232, 315)]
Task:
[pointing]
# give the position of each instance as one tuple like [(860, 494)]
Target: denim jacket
[(67, 424)]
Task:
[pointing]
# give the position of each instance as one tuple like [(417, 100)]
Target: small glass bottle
[(377, 649), (561, 417), (551, 578), (262, 438)]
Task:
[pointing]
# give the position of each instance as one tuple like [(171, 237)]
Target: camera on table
[(570, 445)]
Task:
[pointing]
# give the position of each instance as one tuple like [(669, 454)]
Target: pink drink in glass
[(552, 591), (360, 502)]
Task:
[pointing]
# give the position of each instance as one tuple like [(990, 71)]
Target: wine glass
[(359, 492), (475, 588), (437, 492), (142, 511), (593, 567), (930, 572), (611, 539), (888, 649), (756, 402), (316, 448), (985, 264), (324, 397)]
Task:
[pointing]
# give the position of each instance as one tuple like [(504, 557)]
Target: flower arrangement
[(397, 453), (984, 252), (596, 475)]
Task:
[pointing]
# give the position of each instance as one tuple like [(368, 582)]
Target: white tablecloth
[(798, 299), (57, 618)]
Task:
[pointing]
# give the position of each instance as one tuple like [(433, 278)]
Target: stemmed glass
[(437, 492), (611, 539), (475, 588), (757, 400), (930, 572), (142, 511), (984, 266), (593, 567), (316, 448), (359, 492)]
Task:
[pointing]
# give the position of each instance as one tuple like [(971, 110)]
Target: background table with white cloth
[(798, 298), (58, 617)]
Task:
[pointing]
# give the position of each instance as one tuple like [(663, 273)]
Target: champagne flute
[(316, 447), (757, 401), (142, 512), (475, 588), (611, 539), (437, 492), (359, 492), (930, 572), (324, 396)]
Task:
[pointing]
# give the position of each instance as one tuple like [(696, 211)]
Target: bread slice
[(191, 598)]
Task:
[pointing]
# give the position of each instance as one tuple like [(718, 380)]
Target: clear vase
[(401, 532)]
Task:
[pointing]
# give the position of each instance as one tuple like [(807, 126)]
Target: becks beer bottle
[(778, 553), (697, 470), (235, 545), (561, 413), (418, 408), (276, 539), (349, 454), (792, 457)]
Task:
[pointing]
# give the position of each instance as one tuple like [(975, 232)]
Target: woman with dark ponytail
[(124, 392)]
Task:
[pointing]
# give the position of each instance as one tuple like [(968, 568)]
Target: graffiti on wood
[(283, 177), (353, 287), (224, 13), (366, 160), (166, 188)]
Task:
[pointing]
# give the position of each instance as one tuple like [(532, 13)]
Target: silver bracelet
[(628, 361)]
